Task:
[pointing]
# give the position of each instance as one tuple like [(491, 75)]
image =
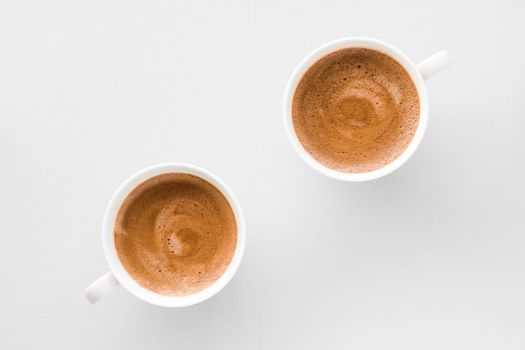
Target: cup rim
[(363, 42), (110, 252)]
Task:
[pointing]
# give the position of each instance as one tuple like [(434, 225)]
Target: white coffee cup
[(118, 274), (418, 72)]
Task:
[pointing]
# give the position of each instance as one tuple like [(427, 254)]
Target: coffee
[(175, 234), (355, 110)]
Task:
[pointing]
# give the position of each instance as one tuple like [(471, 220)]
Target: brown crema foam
[(355, 110), (175, 234)]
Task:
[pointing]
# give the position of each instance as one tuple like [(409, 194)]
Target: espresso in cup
[(355, 110), (175, 234)]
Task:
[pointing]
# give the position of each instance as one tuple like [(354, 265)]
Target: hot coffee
[(175, 234), (355, 110)]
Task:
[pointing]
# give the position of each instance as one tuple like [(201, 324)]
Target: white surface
[(430, 257)]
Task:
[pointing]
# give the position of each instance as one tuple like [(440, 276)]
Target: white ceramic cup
[(118, 274), (418, 72)]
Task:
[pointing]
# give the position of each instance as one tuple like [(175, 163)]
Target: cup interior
[(356, 42), (114, 261)]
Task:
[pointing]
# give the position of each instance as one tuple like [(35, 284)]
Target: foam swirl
[(355, 110), (175, 234)]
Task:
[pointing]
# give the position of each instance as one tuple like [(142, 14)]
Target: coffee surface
[(175, 234), (355, 110)]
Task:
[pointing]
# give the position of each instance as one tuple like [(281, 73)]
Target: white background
[(430, 257)]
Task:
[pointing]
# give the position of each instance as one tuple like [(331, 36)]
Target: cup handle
[(100, 287), (434, 64)]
